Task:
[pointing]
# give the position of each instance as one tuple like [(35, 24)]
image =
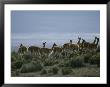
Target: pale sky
[(54, 25)]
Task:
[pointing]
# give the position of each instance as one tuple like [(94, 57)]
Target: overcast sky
[(54, 25)]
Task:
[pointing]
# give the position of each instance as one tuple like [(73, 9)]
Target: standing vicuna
[(75, 46), (88, 45), (56, 50), (44, 44), (85, 44), (66, 48), (54, 45), (22, 49), (44, 51), (94, 44), (79, 43), (66, 45), (97, 46), (97, 42), (34, 50)]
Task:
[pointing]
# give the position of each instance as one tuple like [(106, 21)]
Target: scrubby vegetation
[(75, 64), (66, 71)]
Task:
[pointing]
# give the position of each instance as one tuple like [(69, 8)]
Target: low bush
[(50, 70), (27, 58), (30, 67), (55, 70), (76, 62), (14, 56), (65, 64), (43, 71), (66, 71), (13, 67), (71, 55), (14, 53), (61, 64), (49, 62), (18, 64), (95, 59), (87, 57)]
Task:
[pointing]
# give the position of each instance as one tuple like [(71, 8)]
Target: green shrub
[(95, 59), (30, 67), (13, 67), (18, 64), (49, 62), (66, 71), (87, 57), (14, 56), (63, 53), (27, 58), (43, 71), (15, 72), (61, 65), (71, 55), (50, 70), (65, 63), (55, 70), (76, 62)]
